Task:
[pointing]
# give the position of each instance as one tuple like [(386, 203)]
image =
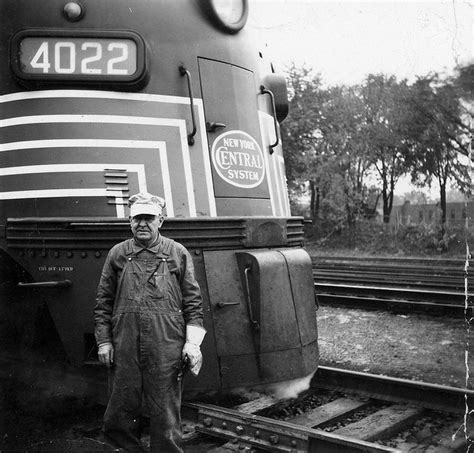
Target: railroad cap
[(146, 203)]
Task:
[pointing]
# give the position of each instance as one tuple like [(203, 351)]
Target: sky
[(346, 40)]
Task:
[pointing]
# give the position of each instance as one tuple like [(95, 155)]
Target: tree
[(325, 148), (299, 127), (438, 136), (464, 81), (385, 122), (342, 149)]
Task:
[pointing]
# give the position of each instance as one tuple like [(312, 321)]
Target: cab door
[(235, 146)]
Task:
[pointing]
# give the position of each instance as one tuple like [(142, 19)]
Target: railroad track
[(393, 282), (353, 412), (344, 411)]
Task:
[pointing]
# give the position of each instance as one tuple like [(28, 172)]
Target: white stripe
[(279, 180), (118, 119), (207, 165), (53, 193), (188, 175), (167, 183), (263, 117), (143, 97), (79, 143), (284, 188), (120, 208), (69, 168)]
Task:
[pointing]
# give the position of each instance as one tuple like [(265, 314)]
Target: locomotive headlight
[(230, 15)]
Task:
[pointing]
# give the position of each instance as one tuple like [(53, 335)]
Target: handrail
[(263, 90), (255, 324), (50, 284), (184, 72)]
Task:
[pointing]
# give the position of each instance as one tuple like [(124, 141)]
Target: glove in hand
[(106, 354), (192, 353)]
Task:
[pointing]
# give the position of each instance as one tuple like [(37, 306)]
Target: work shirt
[(147, 281)]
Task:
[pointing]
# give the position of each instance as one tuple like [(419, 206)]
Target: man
[(148, 321)]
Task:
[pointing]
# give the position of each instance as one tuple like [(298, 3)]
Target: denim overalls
[(148, 332)]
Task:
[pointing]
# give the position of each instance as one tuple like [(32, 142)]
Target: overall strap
[(128, 252)]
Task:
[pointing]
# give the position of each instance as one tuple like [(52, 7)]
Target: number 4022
[(66, 57)]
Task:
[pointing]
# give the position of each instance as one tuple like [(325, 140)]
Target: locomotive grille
[(116, 183), (102, 233)]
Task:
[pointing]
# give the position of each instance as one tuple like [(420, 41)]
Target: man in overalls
[(148, 320)]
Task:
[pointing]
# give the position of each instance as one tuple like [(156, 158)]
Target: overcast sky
[(346, 40)]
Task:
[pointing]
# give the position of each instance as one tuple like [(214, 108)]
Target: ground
[(411, 346), (37, 407)]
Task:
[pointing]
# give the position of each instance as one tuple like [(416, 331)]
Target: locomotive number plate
[(78, 56)]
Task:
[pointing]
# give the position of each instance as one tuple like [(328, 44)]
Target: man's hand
[(106, 354), (193, 353)]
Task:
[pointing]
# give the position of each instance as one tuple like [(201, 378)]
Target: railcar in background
[(103, 99)]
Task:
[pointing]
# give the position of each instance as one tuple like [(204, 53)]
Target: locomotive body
[(101, 100)]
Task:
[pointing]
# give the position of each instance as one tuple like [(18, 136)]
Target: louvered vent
[(116, 183)]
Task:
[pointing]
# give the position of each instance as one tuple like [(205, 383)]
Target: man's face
[(145, 227)]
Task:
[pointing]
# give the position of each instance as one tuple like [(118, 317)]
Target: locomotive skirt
[(148, 338)]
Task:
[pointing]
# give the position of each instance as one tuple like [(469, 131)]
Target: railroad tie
[(383, 423)]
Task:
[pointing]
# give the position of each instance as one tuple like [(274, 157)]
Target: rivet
[(84, 254), (239, 429), (294, 443), (224, 425), (56, 254), (197, 252), (70, 254), (274, 439), (97, 254), (257, 433), (207, 422)]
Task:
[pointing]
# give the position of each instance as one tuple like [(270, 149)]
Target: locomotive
[(101, 100)]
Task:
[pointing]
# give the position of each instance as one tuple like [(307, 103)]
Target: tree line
[(350, 145)]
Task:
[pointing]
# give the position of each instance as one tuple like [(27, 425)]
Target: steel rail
[(393, 294), (430, 396), (271, 435), (279, 436)]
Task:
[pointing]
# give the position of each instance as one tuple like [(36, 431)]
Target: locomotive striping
[(206, 162), (167, 181), (68, 168), (86, 118), (80, 143), (117, 119), (53, 193), (28, 169), (121, 119), (276, 176), (276, 182), (12, 97), (263, 116), (188, 174)]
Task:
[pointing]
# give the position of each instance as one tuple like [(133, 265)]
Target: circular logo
[(238, 159)]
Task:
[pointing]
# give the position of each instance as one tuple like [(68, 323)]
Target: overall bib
[(148, 337)]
